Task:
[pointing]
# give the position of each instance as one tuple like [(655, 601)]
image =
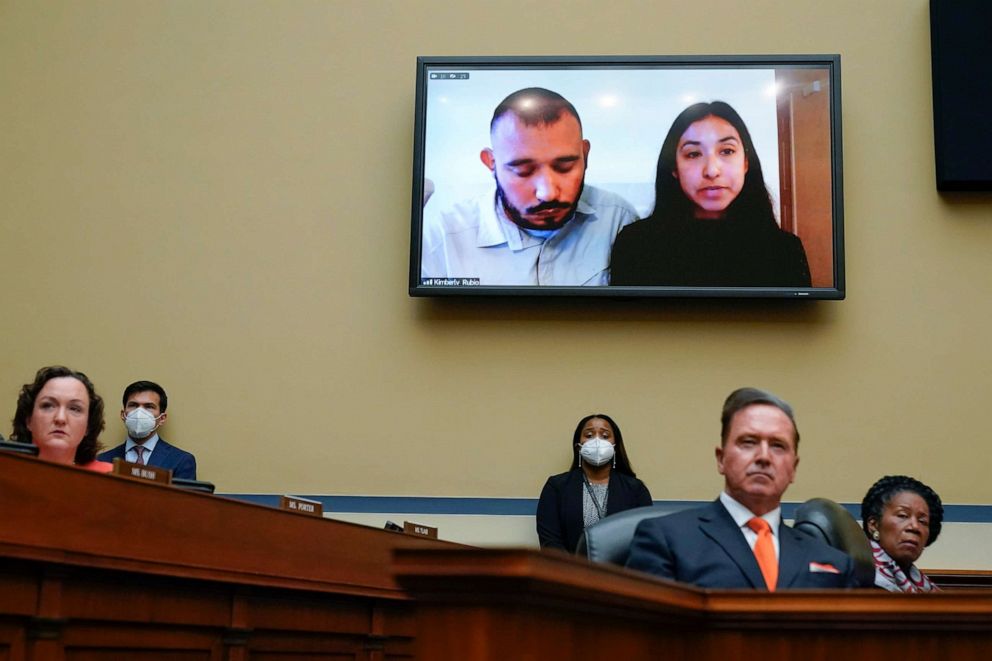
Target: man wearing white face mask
[(144, 413)]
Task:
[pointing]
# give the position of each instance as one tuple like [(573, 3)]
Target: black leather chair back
[(19, 448), (831, 523), (609, 540)]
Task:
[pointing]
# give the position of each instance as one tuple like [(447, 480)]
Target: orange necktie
[(764, 551)]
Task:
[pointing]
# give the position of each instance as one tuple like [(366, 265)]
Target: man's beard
[(517, 217)]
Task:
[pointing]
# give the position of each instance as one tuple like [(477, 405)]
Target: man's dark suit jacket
[(559, 511), (705, 547), (181, 463)]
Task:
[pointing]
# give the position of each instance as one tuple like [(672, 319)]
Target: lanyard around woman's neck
[(600, 508)]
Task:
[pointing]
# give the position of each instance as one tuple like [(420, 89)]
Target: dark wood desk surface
[(97, 567), (103, 567), (66, 515), (521, 604)]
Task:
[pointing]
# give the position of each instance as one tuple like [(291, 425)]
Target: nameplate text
[(419, 529), (301, 505), (142, 472)]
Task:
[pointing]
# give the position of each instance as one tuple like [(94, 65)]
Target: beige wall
[(215, 195)]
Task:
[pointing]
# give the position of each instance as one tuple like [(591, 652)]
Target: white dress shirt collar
[(149, 445), (741, 514)]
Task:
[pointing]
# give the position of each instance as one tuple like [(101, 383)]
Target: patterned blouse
[(889, 575)]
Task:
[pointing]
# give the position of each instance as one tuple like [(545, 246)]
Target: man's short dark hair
[(146, 386), (535, 106), (742, 398)]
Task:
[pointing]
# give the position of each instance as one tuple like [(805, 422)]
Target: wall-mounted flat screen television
[(682, 176)]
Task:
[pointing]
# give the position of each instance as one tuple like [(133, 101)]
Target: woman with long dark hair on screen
[(712, 224), (600, 482)]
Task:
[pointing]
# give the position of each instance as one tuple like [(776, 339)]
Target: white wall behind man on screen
[(625, 114)]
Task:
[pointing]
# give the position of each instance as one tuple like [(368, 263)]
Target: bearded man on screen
[(539, 224)]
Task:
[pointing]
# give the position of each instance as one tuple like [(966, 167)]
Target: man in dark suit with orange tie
[(739, 540)]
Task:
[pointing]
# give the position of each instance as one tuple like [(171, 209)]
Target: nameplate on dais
[(142, 472), (301, 505), (419, 529)]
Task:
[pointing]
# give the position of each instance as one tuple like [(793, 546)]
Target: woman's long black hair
[(753, 205)]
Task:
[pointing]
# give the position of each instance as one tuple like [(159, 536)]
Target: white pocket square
[(822, 568)]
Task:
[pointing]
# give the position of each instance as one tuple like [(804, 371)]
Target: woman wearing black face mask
[(599, 483)]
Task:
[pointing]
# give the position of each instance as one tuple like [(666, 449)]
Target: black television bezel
[(829, 61), (958, 62)]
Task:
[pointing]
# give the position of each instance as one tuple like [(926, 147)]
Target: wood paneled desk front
[(96, 567), (509, 604), (103, 567)]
